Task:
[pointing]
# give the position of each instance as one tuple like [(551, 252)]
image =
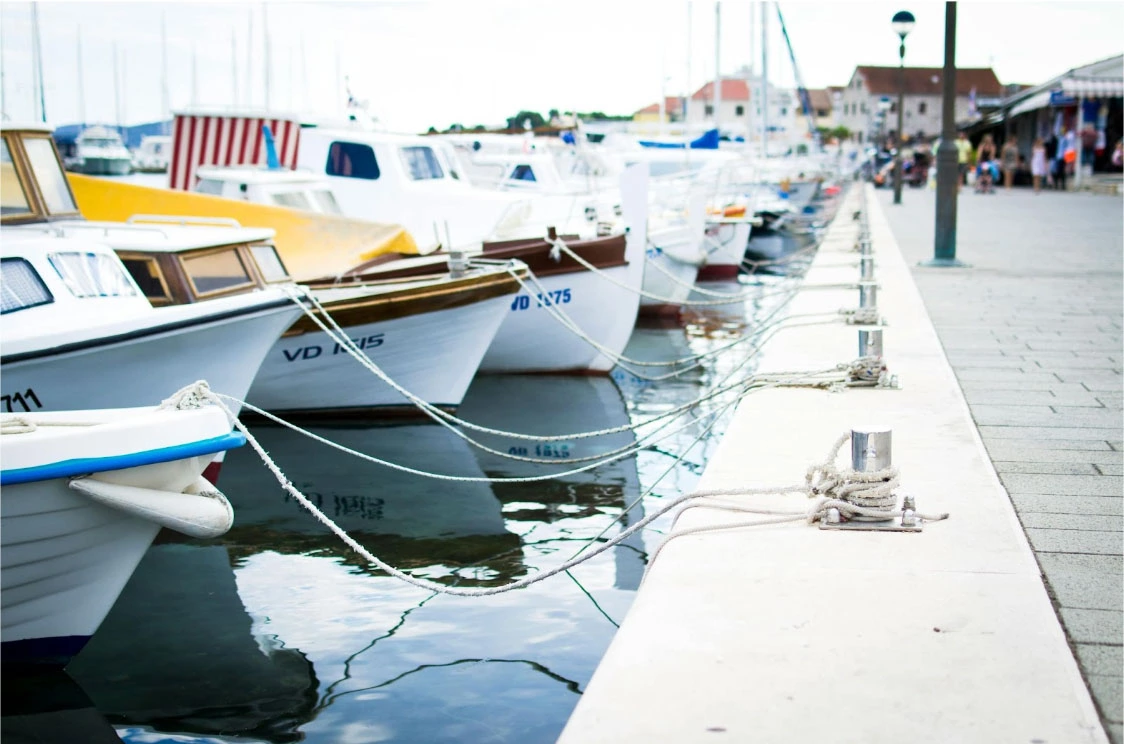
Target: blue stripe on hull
[(57, 651), (84, 465)]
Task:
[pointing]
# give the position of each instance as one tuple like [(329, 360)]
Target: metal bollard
[(871, 449), (458, 264), (865, 246), (866, 268), (870, 343), (868, 295)]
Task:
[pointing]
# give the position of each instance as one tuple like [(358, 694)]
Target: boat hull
[(104, 166), (727, 244), (434, 355), (226, 352), (669, 284), (65, 554), (531, 339)]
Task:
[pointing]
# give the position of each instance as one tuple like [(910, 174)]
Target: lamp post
[(902, 25)]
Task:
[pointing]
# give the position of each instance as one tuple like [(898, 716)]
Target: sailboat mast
[(116, 88), (265, 37), (750, 84), (37, 62), (81, 81), (234, 67), (194, 77), (124, 91), (765, 78), (304, 75), (165, 99), (687, 97), (717, 67), (250, 58)]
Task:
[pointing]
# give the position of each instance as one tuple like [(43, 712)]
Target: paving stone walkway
[(1033, 332)]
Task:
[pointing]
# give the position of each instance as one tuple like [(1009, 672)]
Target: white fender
[(200, 511)]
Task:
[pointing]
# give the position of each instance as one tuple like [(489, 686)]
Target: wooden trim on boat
[(603, 253), (409, 301)]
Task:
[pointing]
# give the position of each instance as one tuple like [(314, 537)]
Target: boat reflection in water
[(278, 631), (177, 653), (560, 510)]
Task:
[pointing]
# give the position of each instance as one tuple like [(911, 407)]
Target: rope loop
[(195, 395), (17, 425)]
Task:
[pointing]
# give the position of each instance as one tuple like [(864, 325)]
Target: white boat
[(83, 329), (676, 251), (85, 493), (153, 154), (602, 303), (428, 335), (99, 151), (726, 241)]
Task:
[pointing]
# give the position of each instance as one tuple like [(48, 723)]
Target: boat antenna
[(271, 160)]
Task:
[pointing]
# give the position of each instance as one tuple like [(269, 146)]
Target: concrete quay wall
[(789, 633)]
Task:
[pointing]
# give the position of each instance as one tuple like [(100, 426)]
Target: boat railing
[(62, 231), (182, 221)]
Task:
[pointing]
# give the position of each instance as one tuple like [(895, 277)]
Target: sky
[(422, 63)]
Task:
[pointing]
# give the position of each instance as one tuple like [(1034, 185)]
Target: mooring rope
[(831, 481)]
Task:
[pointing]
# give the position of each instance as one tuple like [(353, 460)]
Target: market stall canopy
[(1093, 87)]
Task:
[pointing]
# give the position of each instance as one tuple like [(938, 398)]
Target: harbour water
[(277, 632)]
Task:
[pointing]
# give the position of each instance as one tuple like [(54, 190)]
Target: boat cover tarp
[(708, 140), (311, 245)]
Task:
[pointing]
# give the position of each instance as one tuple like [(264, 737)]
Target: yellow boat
[(313, 245)]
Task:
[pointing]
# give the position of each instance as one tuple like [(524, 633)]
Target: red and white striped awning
[(204, 139), (1093, 87)]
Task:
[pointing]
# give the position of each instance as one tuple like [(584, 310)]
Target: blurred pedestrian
[(1038, 167), (1010, 159), (963, 158)]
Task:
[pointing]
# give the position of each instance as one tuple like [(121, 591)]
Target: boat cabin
[(172, 260), (276, 186), (33, 185)]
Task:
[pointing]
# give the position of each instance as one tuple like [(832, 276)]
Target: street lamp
[(902, 24)]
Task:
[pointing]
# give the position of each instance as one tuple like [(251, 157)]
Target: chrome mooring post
[(868, 296), (866, 268), (872, 451), (870, 343)]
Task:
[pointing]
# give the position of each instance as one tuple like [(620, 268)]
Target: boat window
[(352, 160), (146, 273), (326, 201), (269, 263), (292, 199), (49, 174), (20, 285), (215, 271), (421, 163), (209, 186), (523, 173), (93, 274), (13, 199)]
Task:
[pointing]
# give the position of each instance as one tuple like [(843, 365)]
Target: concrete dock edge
[(788, 633)]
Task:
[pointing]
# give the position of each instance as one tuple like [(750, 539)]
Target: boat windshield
[(292, 200), (49, 175), (326, 200), (101, 142), (13, 198), (93, 274), (422, 163)]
